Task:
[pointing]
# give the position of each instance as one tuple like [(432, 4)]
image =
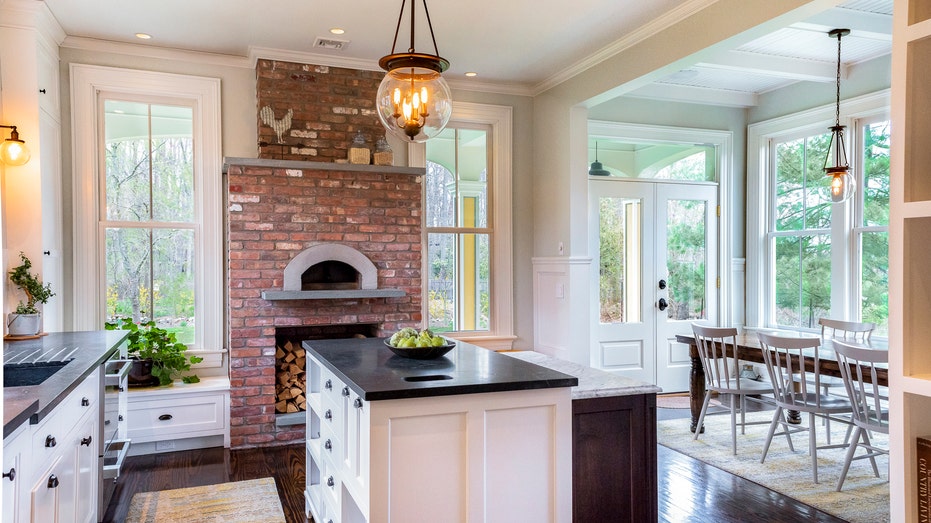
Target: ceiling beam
[(778, 66), (696, 95), (862, 24)]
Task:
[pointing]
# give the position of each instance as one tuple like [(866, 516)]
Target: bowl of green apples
[(419, 345)]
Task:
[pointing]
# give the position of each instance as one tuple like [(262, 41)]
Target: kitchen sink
[(26, 374)]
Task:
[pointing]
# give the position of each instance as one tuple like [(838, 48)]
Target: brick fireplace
[(278, 209)]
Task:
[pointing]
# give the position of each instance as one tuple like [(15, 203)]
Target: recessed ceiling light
[(337, 30), (471, 73), (143, 36)]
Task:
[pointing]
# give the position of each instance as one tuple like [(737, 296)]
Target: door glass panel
[(619, 273), (685, 259)]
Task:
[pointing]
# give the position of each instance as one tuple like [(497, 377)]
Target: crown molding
[(149, 51), (669, 19), (32, 15), (285, 55)]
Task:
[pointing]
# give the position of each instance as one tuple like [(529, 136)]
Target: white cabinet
[(501, 456), (909, 251), (181, 416), (16, 450), (62, 475)]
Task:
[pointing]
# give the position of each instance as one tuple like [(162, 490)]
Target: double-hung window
[(817, 258), (467, 249), (148, 202)]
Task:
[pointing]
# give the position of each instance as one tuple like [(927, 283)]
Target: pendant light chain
[(837, 105)]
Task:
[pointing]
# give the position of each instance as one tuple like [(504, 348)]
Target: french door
[(655, 247)]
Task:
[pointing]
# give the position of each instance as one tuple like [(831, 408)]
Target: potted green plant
[(26, 319), (158, 356)]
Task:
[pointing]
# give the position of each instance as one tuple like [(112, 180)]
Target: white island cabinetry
[(456, 455)]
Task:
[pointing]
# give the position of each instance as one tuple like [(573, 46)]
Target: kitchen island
[(471, 436)]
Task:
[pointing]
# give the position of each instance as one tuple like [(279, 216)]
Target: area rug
[(864, 498), (252, 501), (679, 402)]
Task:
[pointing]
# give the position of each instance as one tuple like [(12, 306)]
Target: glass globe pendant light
[(842, 184), (413, 99)]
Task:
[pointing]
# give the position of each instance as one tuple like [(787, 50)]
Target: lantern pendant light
[(842, 184), (413, 99)]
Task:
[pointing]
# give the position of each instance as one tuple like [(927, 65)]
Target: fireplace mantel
[(320, 166), (333, 295)]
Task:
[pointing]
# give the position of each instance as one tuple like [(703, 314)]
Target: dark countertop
[(375, 373), (35, 402)]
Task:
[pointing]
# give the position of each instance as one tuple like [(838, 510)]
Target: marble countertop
[(373, 372), (35, 402), (593, 383)]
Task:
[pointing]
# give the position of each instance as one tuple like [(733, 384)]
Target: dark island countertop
[(35, 402), (375, 373)]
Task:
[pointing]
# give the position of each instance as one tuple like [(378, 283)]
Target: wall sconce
[(13, 151)]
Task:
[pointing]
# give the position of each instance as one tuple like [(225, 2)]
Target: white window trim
[(499, 118), (759, 188), (87, 81)]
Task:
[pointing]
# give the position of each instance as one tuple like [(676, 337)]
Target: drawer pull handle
[(11, 474), (358, 403), (328, 414), (330, 482), (85, 402), (86, 441), (346, 391), (165, 417), (328, 445), (328, 385), (52, 481), (50, 441)]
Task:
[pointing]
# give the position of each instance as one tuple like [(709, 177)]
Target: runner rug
[(864, 498), (252, 501)]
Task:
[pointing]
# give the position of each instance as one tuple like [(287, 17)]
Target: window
[(148, 202), (467, 246), (458, 231), (148, 214), (819, 259)]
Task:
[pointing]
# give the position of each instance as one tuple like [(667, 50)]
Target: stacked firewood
[(290, 386)]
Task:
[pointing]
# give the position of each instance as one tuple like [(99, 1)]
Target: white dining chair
[(797, 387), (869, 405), (717, 348), (841, 330)]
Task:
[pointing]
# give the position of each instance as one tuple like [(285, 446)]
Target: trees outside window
[(813, 257)]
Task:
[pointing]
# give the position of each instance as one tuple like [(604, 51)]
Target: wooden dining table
[(749, 349)]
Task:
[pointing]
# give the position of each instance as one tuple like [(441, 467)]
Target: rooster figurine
[(280, 126)]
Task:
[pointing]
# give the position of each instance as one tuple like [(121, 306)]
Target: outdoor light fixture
[(413, 99), (597, 169), (842, 181), (13, 151)]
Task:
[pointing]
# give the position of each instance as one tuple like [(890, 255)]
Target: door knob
[(662, 284), (662, 304)]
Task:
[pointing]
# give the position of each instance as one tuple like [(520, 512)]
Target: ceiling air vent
[(330, 43)]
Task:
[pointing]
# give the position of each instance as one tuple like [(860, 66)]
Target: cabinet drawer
[(52, 432), (188, 416)]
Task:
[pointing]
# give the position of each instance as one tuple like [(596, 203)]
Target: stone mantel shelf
[(333, 294), (321, 166)]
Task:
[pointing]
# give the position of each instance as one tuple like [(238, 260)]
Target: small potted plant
[(26, 319), (158, 357)]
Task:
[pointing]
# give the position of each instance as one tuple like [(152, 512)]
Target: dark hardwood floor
[(689, 490)]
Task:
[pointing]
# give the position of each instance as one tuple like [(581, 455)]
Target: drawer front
[(152, 420), (51, 433), (330, 445)]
